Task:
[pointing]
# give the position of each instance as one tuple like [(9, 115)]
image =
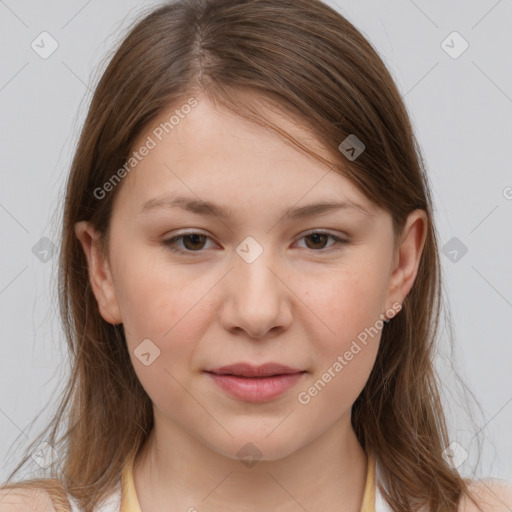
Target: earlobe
[(100, 276), (408, 255)]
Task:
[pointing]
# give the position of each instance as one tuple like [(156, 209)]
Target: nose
[(258, 298)]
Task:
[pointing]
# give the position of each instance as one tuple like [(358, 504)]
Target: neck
[(175, 471)]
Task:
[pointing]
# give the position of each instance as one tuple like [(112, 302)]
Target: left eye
[(194, 242)]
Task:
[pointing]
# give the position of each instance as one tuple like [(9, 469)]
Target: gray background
[(460, 108)]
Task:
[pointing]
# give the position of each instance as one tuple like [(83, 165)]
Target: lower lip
[(256, 389)]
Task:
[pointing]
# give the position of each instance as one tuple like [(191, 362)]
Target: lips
[(251, 371), (249, 383)]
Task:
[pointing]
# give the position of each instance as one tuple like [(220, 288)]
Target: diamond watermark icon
[(146, 352), (454, 45), (249, 455), (454, 249), (249, 250), (44, 249), (454, 454), (44, 45), (45, 455), (352, 147)]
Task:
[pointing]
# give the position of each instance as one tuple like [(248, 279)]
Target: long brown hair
[(303, 58)]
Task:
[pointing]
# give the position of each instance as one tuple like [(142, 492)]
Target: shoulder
[(492, 495), (21, 499)]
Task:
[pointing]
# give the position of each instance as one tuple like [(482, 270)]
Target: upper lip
[(249, 370)]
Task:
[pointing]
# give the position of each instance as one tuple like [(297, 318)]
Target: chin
[(250, 449)]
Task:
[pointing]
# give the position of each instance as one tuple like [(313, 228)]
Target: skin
[(302, 303)]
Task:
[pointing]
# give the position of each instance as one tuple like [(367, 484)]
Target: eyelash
[(169, 243)]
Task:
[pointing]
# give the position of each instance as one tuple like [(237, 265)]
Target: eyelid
[(168, 243), (340, 241)]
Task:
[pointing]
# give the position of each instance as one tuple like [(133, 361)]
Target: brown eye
[(318, 240), (192, 243), (196, 241)]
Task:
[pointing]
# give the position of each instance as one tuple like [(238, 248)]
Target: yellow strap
[(130, 503), (369, 489)]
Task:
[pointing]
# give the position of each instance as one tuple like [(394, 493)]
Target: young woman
[(250, 279)]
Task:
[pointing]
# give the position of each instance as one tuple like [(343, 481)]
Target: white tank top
[(110, 504)]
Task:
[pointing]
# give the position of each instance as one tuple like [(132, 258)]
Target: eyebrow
[(200, 207)]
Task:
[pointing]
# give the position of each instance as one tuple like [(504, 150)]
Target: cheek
[(163, 305), (160, 304), (344, 304), (156, 297), (346, 329)]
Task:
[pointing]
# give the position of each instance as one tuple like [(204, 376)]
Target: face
[(197, 290)]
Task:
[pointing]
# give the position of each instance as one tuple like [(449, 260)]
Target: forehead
[(213, 153)]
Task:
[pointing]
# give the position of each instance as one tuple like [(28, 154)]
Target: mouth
[(255, 383), (248, 370)]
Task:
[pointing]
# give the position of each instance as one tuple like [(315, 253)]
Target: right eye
[(190, 239)]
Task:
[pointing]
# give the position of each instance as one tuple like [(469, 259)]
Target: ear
[(100, 275), (407, 256)]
